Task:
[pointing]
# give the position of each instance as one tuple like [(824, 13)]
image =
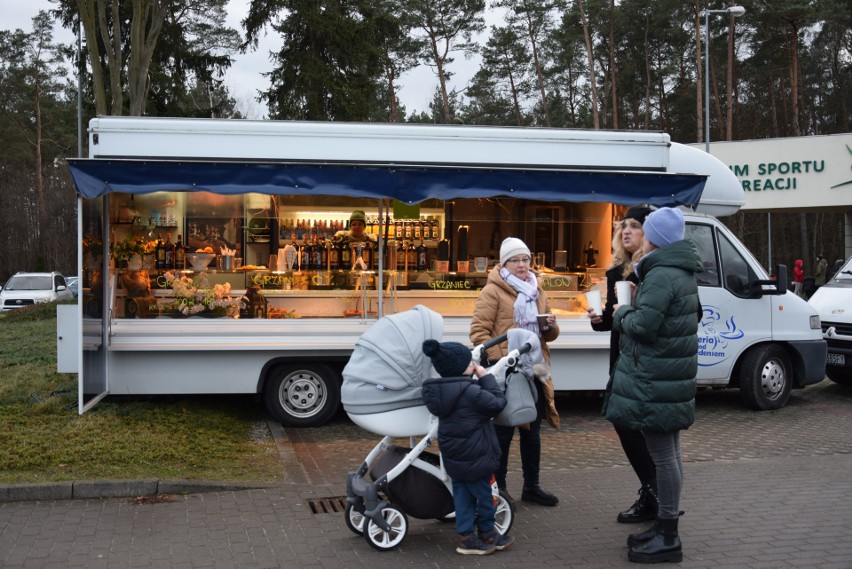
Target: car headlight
[(815, 323)]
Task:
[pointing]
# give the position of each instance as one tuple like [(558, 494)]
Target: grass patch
[(43, 439)]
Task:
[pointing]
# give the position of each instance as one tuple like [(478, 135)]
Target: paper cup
[(623, 292), (593, 298), (543, 326)]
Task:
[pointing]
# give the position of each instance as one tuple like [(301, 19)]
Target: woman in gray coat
[(653, 387)]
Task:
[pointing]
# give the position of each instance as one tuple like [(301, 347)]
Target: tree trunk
[(794, 77), (613, 68), (592, 74)]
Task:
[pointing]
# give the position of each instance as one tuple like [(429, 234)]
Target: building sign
[(791, 173)]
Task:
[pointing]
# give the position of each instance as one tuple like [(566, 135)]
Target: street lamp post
[(735, 11)]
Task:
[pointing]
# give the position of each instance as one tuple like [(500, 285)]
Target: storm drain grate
[(333, 504)]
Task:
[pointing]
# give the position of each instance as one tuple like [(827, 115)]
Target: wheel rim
[(503, 516), (772, 379), (302, 393), (356, 519), (387, 539)]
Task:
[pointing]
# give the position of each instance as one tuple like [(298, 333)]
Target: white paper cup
[(624, 292), (593, 299)]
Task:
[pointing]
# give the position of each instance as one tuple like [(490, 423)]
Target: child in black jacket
[(465, 405)]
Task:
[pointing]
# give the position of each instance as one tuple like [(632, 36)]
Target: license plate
[(836, 359)]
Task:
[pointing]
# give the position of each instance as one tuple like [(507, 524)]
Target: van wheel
[(765, 378), (840, 376), (302, 395)]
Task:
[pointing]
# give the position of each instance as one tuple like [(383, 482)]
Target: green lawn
[(43, 439)]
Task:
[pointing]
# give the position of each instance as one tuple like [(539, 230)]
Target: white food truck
[(438, 200)]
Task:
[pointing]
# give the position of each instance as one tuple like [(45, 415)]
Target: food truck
[(211, 263)]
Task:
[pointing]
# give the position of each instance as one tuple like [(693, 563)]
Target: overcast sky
[(244, 77)]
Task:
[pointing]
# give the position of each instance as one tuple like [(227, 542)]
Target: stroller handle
[(480, 349)]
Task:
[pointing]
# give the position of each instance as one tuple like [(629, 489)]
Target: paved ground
[(762, 490)]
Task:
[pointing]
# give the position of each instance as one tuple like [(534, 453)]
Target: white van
[(833, 301), (558, 189)]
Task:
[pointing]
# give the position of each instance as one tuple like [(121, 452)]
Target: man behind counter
[(356, 232)]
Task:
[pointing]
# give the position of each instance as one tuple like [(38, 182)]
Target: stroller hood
[(388, 366)]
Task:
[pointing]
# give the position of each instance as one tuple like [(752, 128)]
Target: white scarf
[(526, 307)]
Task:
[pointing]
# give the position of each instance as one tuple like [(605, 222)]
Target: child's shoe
[(498, 540), (472, 545)]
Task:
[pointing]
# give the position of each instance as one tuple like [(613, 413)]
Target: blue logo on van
[(715, 333)]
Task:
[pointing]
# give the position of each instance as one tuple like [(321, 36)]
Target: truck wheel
[(765, 378), (839, 375), (302, 395)]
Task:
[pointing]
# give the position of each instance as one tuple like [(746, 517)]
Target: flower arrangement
[(194, 296), (126, 248)]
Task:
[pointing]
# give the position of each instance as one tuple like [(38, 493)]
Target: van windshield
[(30, 283), (845, 272)]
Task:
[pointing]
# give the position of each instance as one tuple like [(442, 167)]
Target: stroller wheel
[(505, 514), (386, 540), (354, 519)]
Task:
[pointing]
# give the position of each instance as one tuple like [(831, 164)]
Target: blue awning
[(408, 183)]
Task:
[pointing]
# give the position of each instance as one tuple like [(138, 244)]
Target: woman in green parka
[(653, 387)]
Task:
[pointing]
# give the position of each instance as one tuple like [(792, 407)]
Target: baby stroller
[(381, 393)]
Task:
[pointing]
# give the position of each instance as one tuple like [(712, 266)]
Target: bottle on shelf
[(169, 252), (410, 257), (333, 253), (418, 229), (160, 254), (422, 256), (345, 254), (180, 254), (400, 257)]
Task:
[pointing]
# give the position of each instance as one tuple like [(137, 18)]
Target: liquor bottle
[(422, 256), (410, 257), (333, 252), (180, 254), (304, 257), (169, 252), (418, 229), (320, 257), (433, 225), (160, 254), (344, 255), (400, 256)]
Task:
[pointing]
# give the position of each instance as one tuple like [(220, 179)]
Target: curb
[(88, 489), (94, 489)]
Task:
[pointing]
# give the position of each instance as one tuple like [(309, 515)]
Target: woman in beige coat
[(511, 298)]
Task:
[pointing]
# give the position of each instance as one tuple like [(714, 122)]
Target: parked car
[(833, 301), (72, 284), (26, 289)]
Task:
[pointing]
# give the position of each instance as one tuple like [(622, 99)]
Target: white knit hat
[(513, 246)]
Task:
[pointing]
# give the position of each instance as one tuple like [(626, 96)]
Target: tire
[(839, 375), (354, 519), (302, 394), (384, 540), (505, 515), (765, 378)]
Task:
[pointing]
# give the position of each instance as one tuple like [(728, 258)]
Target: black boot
[(637, 539), (643, 509), (663, 547), (538, 495)]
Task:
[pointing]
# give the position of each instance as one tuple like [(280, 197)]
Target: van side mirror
[(778, 285)]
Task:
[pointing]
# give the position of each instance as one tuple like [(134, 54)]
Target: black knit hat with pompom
[(450, 359)]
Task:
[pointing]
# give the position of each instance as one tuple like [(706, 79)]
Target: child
[(465, 406)]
